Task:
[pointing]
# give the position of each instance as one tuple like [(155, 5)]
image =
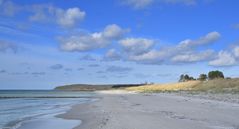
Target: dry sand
[(155, 111)]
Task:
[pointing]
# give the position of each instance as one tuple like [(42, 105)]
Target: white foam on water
[(50, 123)]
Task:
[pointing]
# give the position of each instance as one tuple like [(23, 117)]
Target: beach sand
[(121, 110)]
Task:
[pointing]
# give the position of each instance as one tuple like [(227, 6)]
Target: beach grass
[(165, 87), (215, 86)]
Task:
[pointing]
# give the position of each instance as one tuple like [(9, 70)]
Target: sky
[(48, 43)]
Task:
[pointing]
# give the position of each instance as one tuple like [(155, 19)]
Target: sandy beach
[(119, 110)]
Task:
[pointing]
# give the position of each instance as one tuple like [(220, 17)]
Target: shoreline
[(49, 123), (112, 108), (122, 109), (49, 120)]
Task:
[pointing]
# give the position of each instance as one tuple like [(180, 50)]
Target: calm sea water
[(21, 105)]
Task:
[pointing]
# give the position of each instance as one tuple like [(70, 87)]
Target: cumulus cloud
[(118, 69), (132, 49), (193, 57), (141, 4), (205, 40), (44, 13), (69, 17), (91, 41), (236, 51), (63, 17), (151, 57), (57, 66), (5, 46), (224, 58), (136, 46), (141, 50)]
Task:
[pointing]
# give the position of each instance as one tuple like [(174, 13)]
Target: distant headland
[(90, 87)]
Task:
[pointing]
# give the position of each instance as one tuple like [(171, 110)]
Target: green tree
[(181, 79), (191, 78), (202, 77), (215, 74), (186, 77)]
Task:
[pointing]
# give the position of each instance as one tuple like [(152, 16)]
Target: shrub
[(184, 78), (202, 77), (215, 74)]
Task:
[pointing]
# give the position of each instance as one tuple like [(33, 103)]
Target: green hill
[(87, 87)]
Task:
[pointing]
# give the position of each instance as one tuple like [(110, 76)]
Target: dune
[(216, 85)]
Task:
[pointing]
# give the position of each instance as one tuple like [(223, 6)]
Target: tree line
[(203, 77)]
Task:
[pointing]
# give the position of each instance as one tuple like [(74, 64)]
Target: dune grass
[(165, 87), (215, 86), (219, 85)]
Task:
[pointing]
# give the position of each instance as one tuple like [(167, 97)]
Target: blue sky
[(46, 43)]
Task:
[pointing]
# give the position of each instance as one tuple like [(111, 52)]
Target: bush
[(184, 78), (215, 75), (202, 77)]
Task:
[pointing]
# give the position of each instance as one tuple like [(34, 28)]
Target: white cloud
[(114, 31), (141, 4), (193, 57), (90, 41), (151, 57), (142, 51), (69, 17), (44, 13), (205, 40), (224, 59), (236, 51), (136, 46), (65, 18)]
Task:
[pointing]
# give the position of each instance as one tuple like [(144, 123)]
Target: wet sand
[(50, 122), (155, 111)]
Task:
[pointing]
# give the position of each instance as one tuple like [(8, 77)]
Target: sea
[(20, 106)]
